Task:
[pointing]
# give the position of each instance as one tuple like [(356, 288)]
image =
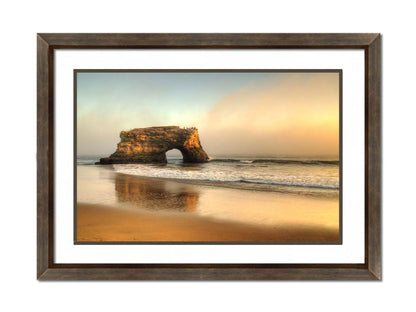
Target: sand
[(115, 207), (98, 223)]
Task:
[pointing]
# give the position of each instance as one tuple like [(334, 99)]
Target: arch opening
[(174, 156)]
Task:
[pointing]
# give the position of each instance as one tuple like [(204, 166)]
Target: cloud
[(297, 115)]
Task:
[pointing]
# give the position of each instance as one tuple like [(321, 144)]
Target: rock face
[(149, 145)]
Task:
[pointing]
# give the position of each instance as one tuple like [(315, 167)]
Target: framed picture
[(209, 157)]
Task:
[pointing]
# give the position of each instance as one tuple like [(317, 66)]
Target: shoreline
[(239, 185), (100, 223)]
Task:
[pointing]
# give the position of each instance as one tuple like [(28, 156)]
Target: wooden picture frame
[(47, 269)]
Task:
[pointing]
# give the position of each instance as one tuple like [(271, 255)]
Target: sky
[(263, 114)]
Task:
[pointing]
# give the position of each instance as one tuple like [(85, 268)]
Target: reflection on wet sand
[(155, 196)]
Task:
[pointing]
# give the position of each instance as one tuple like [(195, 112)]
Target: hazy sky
[(264, 114)]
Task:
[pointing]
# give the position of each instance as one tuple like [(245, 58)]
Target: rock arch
[(149, 145)]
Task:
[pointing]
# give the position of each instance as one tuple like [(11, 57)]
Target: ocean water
[(313, 174)]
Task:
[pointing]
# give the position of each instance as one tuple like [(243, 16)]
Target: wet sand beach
[(114, 207)]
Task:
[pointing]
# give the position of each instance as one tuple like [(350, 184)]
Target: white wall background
[(20, 20)]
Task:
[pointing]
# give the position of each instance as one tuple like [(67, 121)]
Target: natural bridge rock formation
[(149, 145)]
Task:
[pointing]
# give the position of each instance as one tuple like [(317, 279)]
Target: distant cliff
[(149, 145)]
